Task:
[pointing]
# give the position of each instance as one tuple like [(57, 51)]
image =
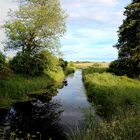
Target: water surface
[(73, 100), (48, 118)]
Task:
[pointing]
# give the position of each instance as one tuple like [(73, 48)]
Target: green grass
[(111, 93), (17, 87), (117, 102), (124, 127)]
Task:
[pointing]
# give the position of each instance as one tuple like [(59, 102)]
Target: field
[(82, 65)]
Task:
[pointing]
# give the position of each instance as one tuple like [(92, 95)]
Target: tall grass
[(117, 101), (122, 127), (17, 87), (111, 93)]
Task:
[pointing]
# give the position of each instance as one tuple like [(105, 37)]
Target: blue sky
[(91, 28)]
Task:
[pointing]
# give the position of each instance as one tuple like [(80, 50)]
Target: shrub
[(28, 65), (124, 67), (63, 64), (34, 65)]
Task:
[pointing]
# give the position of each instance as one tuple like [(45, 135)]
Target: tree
[(129, 41), (37, 25), (34, 65)]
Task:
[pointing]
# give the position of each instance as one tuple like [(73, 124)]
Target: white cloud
[(92, 26)]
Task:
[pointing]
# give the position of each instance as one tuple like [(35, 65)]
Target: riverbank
[(111, 92), (116, 99), (50, 119), (18, 87)]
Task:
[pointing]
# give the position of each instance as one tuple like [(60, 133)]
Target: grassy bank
[(17, 87), (117, 101), (111, 93)]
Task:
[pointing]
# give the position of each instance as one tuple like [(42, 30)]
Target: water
[(73, 100), (54, 118)]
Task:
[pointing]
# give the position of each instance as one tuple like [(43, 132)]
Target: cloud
[(91, 27)]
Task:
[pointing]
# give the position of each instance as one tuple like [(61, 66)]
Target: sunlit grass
[(82, 65), (117, 101), (17, 87)]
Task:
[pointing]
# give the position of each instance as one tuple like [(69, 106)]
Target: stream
[(55, 119)]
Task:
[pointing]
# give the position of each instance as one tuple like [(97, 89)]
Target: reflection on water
[(46, 119), (73, 99), (35, 118)]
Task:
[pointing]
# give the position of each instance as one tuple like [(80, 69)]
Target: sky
[(92, 27)]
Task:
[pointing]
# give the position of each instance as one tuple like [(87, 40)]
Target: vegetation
[(2, 60), (122, 127), (111, 93), (128, 43), (18, 87), (116, 100), (36, 25), (33, 31), (68, 68), (82, 65), (34, 28)]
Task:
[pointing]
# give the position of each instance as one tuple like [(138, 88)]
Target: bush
[(28, 65), (124, 67), (63, 64), (34, 65)]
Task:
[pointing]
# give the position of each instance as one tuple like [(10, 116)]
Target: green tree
[(129, 42), (36, 25)]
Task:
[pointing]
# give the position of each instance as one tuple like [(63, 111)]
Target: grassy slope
[(111, 92), (118, 100), (18, 87)]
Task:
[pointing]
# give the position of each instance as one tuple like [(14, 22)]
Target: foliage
[(63, 63), (36, 25), (2, 60), (18, 87), (34, 31), (68, 67), (121, 67), (91, 70), (24, 64), (128, 42), (110, 93), (34, 65), (123, 127), (116, 100)]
